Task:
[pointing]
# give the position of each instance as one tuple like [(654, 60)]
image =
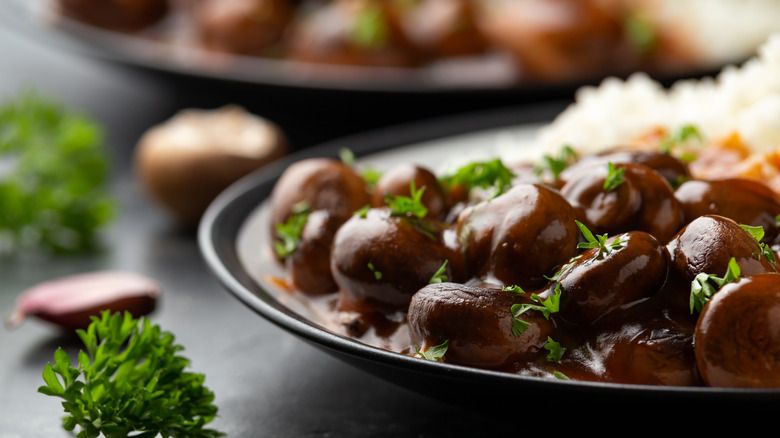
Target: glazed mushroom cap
[(600, 283), (737, 339), (320, 184), (708, 243), (519, 237), (477, 323), (309, 264), (746, 201), (379, 260)]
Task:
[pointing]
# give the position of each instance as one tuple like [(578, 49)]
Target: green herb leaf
[(53, 178), (555, 350), (438, 276), (680, 136), (641, 32), (130, 382), (704, 286), (757, 233), (546, 306), (435, 353), (488, 175), (370, 30), (377, 274), (407, 206), (615, 177), (559, 375), (290, 232), (556, 165), (599, 241)]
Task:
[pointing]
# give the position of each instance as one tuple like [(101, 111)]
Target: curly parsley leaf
[(289, 233), (53, 177), (757, 233), (130, 382), (435, 353), (407, 206), (438, 276), (546, 306), (377, 273), (370, 30), (598, 241), (489, 175), (704, 286), (680, 136), (615, 177), (555, 350), (556, 165)]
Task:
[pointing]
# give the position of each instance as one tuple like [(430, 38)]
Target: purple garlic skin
[(70, 302)]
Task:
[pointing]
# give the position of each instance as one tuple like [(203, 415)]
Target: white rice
[(743, 100)]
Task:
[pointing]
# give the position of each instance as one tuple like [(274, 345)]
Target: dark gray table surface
[(267, 383)]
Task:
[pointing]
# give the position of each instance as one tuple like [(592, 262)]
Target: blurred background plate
[(564, 45)]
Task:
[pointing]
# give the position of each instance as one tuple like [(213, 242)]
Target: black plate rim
[(220, 226)]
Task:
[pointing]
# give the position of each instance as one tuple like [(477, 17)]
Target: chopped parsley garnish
[(489, 175), (363, 211), (438, 276), (560, 376), (370, 175), (289, 232), (599, 241), (370, 30), (777, 221), (131, 381), (435, 353), (641, 32), (555, 350), (704, 286), (680, 136), (558, 164), (347, 156), (615, 177), (54, 174), (546, 306), (757, 233), (407, 206), (377, 274)]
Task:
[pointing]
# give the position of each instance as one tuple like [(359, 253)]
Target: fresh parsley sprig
[(598, 241), (408, 206), (130, 382), (489, 175), (438, 276), (556, 165), (289, 232), (680, 136), (434, 353), (53, 178), (704, 286), (555, 350), (546, 306), (615, 177), (757, 233)]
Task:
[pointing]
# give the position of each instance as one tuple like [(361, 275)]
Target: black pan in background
[(485, 75), (491, 393)]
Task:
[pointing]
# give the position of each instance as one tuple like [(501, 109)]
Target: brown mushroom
[(737, 339), (477, 324), (519, 237), (187, 161)]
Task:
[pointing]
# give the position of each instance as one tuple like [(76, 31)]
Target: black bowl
[(221, 234)]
